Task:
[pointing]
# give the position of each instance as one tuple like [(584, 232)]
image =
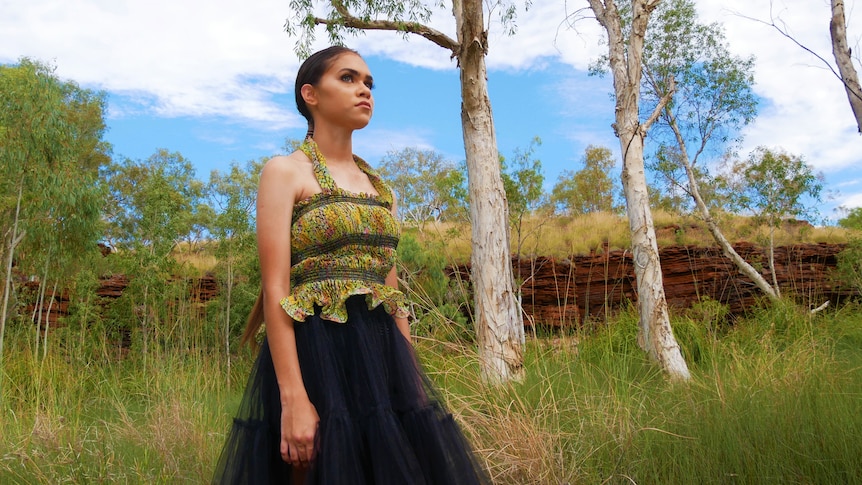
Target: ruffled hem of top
[(300, 305)]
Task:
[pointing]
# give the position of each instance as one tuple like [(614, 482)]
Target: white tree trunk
[(227, 315), (772, 260), (499, 324), (48, 322), (741, 264), (655, 335), (14, 239), (841, 51)]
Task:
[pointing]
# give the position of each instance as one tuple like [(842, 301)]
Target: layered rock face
[(569, 291)]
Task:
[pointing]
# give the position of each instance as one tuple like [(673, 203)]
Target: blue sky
[(213, 80), (413, 107)]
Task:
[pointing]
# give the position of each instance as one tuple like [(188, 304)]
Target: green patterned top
[(342, 244)]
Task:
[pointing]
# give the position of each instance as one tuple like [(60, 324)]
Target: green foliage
[(695, 340), (154, 203), (427, 187), (438, 303), (850, 259), (423, 267), (711, 314), (849, 269), (233, 196), (590, 189), (523, 181), (773, 185), (341, 18), (153, 206), (302, 25), (50, 156), (671, 191), (712, 88), (712, 99), (852, 220)]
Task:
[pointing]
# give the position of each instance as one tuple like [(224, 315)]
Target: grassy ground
[(775, 399), (561, 236)]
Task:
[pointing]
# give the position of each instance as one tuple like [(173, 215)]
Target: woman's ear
[(309, 94)]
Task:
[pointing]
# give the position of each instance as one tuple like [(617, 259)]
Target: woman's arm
[(276, 195)]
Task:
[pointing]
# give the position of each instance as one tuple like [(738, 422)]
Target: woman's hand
[(299, 423)]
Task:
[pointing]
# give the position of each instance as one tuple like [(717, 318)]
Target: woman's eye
[(369, 84), (347, 78)]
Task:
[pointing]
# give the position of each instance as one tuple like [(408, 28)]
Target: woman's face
[(343, 94)]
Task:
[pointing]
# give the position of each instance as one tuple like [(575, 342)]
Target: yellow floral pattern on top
[(342, 244)]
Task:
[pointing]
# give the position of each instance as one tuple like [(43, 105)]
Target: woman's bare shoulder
[(287, 165), (288, 175)]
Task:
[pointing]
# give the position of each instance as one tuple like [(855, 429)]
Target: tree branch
[(855, 95), (644, 127), (599, 10), (349, 20), (838, 31)]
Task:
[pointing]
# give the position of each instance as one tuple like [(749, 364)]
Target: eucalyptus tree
[(774, 185), (590, 189), (232, 195), (424, 182), (499, 323), (153, 206), (523, 180), (712, 99), (625, 42), (51, 152), (852, 219)]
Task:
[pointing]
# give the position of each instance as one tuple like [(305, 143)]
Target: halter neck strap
[(327, 183)]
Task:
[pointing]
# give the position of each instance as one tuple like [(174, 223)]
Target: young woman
[(335, 395)]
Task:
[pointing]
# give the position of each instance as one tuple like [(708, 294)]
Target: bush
[(850, 265), (439, 304)]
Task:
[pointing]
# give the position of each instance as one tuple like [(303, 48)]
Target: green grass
[(774, 399)]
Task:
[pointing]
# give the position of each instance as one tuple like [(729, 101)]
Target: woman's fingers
[(299, 452), (299, 424)]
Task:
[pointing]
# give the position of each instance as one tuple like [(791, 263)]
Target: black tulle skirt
[(380, 420)]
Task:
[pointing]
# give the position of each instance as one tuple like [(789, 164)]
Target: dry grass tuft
[(563, 236), (517, 447)]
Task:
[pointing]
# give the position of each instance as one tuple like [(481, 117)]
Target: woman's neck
[(335, 145)]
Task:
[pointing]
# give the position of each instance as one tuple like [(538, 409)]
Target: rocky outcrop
[(567, 291), (200, 290)]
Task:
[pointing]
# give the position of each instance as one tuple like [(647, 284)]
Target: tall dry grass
[(562, 236), (773, 399)]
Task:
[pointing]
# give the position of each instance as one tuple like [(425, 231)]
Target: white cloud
[(806, 110), (547, 29), (232, 58), (186, 58), (852, 201), (375, 142)]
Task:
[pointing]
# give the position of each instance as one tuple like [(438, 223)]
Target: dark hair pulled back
[(310, 72)]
